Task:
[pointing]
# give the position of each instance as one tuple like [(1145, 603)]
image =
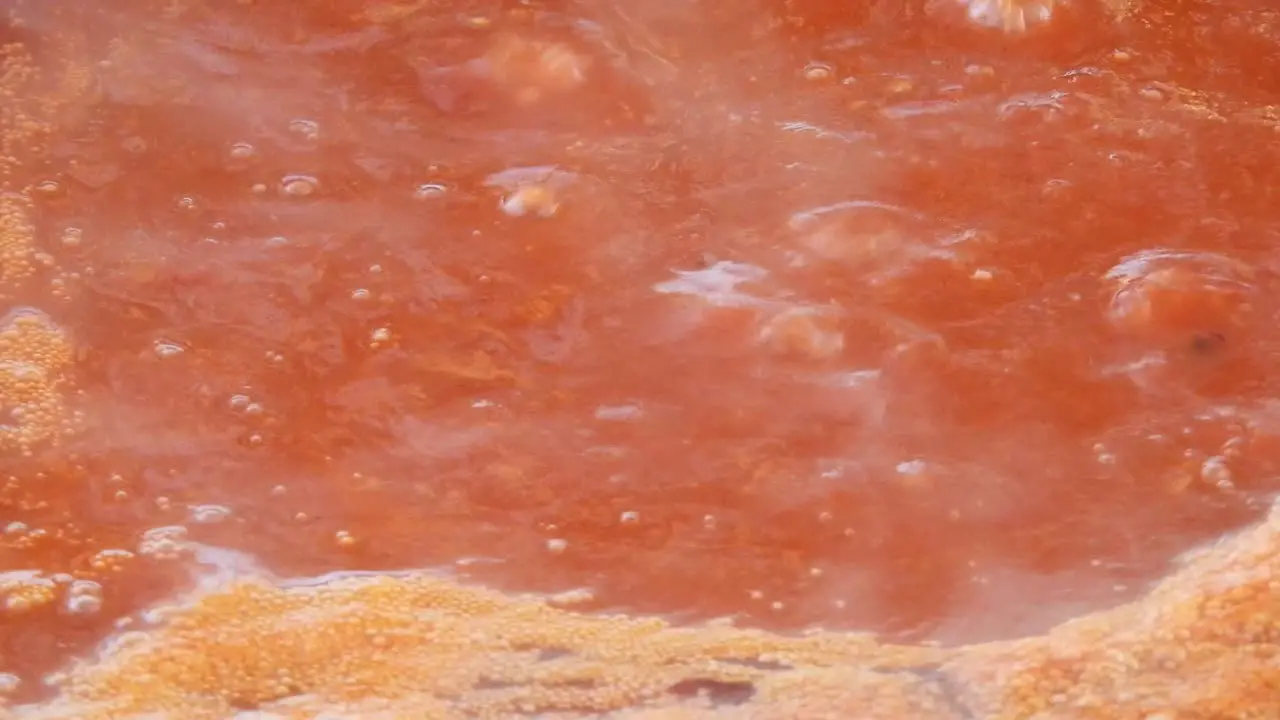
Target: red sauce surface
[(806, 313)]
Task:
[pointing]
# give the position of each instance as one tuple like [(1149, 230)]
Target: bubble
[(531, 70), (48, 187), (164, 543), (380, 335), (209, 514), (899, 86), (537, 200), (72, 236), (84, 597), (619, 412), (817, 71), (630, 517), (344, 539), (299, 185), (360, 294), (1166, 295), (1215, 472), (307, 129), (429, 190), (1011, 16), (9, 683), (242, 151), (557, 545), (911, 467), (111, 559), (167, 349), (186, 202), (803, 332), (238, 402)]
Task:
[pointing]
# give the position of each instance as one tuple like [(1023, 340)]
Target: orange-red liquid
[(809, 314)]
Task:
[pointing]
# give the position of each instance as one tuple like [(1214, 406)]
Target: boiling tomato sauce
[(808, 314)]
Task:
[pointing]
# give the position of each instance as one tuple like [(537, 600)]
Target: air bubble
[(911, 467), (557, 545), (84, 597), (308, 129), (242, 151), (164, 543), (429, 190), (209, 514), (537, 200), (817, 71), (619, 412), (299, 185), (167, 349), (72, 236), (1214, 471)]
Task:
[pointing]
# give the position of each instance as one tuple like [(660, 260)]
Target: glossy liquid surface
[(808, 314)]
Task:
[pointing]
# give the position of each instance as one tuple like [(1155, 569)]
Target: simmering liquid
[(947, 323)]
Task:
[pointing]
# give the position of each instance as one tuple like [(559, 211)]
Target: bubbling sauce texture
[(682, 359)]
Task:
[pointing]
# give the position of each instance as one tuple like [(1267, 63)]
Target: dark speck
[(1207, 342)]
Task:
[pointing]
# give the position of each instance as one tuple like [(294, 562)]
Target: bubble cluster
[(21, 591), (32, 103), (1203, 643), (35, 354), (16, 240), (362, 645)]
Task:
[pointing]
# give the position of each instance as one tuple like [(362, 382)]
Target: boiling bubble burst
[(1011, 16)]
